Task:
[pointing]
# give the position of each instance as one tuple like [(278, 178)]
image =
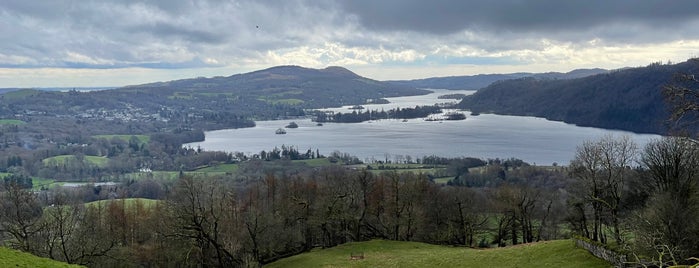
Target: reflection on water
[(534, 140)]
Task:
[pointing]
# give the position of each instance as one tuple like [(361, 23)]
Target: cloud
[(249, 34), (443, 17)]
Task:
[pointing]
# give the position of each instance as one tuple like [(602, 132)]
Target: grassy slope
[(141, 138), (15, 258), (378, 253), (128, 202), (59, 159), (220, 168), (11, 122)]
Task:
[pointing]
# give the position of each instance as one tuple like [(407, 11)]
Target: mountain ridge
[(483, 80), (627, 99)]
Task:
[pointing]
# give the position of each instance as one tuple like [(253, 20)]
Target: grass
[(60, 159), (380, 253), (19, 94), (38, 183), (316, 162), (290, 101), (16, 258), (128, 202), (442, 180), (225, 168), (141, 138), (11, 122)]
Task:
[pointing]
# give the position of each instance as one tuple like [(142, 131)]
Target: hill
[(186, 107), (629, 99), (286, 85), (16, 258), (484, 80), (379, 253)]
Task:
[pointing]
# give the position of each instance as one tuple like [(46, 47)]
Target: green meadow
[(61, 159), (16, 258), (141, 138), (381, 253)]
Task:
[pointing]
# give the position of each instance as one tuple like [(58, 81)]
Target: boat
[(280, 131), (292, 125), (356, 107)]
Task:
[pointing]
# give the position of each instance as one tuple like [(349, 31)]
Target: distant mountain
[(628, 99), (483, 80), (204, 103), (292, 85)]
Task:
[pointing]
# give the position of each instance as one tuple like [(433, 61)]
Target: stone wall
[(616, 259)]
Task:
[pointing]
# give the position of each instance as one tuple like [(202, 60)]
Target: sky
[(91, 43)]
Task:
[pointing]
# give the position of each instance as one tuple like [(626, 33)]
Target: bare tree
[(668, 226), (602, 168), (205, 212), (20, 216)]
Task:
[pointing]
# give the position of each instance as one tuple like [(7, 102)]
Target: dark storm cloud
[(164, 34), (450, 16)]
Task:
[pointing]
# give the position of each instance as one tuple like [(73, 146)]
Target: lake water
[(534, 140)]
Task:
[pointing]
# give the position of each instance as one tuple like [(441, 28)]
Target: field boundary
[(617, 259)]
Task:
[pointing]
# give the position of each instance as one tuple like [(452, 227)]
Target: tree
[(667, 226), (682, 94), (204, 212), (601, 169), (20, 216)]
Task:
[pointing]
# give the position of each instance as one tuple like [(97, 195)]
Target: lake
[(534, 140)]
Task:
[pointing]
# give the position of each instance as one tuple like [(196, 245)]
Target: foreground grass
[(16, 258), (379, 253)]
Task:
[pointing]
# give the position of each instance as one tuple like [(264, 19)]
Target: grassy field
[(442, 180), (38, 183), (317, 162), (128, 202), (141, 138), (379, 253), (220, 168), (60, 159), (11, 122), (16, 258)]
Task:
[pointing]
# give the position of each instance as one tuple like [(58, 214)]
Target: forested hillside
[(484, 80), (629, 99)]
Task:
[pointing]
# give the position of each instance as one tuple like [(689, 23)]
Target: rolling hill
[(629, 99), (16, 258), (199, 103), (379, 253), (289, 85)]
